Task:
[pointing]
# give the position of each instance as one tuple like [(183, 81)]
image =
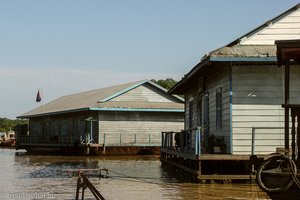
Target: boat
[(8, 143)]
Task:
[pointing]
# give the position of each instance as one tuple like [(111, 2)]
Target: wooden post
[(83, 182), (167, 140), (171, 140), (293, 112), (149, 138), (78, 188), (253, 141), (298, 136), (104, 140), (286, 101)]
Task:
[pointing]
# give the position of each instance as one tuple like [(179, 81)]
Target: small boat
[(8, 143)]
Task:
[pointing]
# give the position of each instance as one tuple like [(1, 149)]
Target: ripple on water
[(132, 178)]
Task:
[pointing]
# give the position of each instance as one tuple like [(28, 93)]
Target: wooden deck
[(187, 161), (210, 156), (210, 167)]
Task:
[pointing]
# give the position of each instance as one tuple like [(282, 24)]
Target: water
[(41, 177)]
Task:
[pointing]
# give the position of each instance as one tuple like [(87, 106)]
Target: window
[(191, 114), (219, 108), (206, 119), (206, 114), (199, 110)]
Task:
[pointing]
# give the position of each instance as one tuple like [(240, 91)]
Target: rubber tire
[(261, 168)]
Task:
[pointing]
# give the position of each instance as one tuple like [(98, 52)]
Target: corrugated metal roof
[(237, 53), (98, 98), (245, 51)]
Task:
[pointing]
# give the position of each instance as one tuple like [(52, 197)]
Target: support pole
[(149, 138), (298, 137), (293, 113), (253, 141), (83, 183), (286, 101)]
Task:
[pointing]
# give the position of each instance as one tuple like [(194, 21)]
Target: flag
[(38, 97)]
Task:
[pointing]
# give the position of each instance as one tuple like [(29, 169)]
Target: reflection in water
[(41, 177)]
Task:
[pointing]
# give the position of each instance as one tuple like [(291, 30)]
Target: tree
[(8, 124), (168, 83)]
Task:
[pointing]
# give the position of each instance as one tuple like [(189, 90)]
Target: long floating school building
[(118, 120)]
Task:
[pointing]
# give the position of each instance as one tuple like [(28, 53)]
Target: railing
[(26, 139), (34, 139), (104, 139), (186, 141), (129, 140)]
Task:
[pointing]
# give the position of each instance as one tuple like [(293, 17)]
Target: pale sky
[(68, 46)]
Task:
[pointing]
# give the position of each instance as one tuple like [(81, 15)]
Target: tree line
[(167, 83), (9, 124)]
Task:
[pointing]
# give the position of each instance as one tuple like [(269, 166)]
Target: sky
[(68, 46)]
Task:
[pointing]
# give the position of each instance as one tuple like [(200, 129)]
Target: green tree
[(9, 124), (167, 83)]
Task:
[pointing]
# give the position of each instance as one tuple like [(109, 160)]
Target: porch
[(182, 153)]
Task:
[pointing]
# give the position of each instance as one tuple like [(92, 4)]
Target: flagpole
[(40, 100)]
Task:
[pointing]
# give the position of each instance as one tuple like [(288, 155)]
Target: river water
[(43, 177)]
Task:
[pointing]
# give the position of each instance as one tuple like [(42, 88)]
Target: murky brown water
[(39, 177)]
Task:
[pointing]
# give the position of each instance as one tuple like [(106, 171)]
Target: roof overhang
[(203, 68), (52, 113), (243, 59), (288, 50), (103, 109), (137, 109)]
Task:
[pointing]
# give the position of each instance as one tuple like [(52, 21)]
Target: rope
[(294, 171)]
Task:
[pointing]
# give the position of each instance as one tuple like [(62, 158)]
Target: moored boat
[(8, 143)]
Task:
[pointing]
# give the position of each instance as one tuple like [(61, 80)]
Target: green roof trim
[(122, 91), (137, 109)]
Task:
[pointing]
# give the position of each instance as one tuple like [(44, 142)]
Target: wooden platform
[(210, 167)]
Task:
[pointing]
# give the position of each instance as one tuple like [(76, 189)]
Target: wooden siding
[(247, 116), (287, 27), (257, 99), (137, 125), (144, 93), (190, 97), (221, 79)]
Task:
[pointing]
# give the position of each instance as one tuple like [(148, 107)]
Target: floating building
[(121, 119)]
